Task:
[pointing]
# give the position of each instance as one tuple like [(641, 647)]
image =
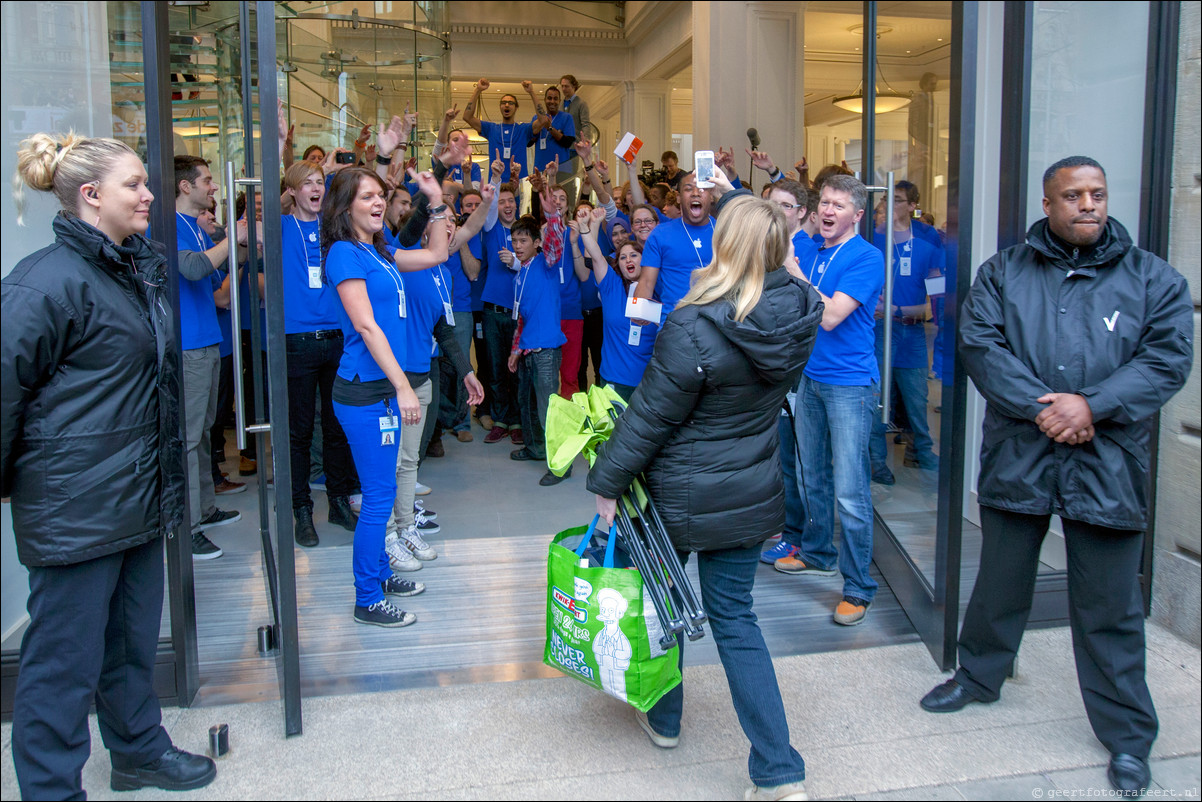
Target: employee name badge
[(389, 426), (505, 154), (636, 335), (315, 277), (542, 143), (401, 309), (479, 331), (904, 263), (516, 307), (449, 311)]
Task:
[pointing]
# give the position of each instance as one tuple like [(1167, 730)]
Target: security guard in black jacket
[(1075, 338)]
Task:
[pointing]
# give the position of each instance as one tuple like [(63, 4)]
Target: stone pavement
[(854, 717)]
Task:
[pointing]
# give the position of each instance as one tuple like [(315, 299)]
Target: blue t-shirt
[(476, 247), (425, 291), (354, 260), (546, 149), (306, 308), (909, 289), (498, 287), (197, 312), (536, 293), (461, 288), (511, 140), (846, 354), (224, 317), (677, 249), (569, 286), (621, 362), (804, 248), (244, 304)]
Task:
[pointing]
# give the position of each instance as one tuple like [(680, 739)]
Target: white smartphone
[(703, 161)]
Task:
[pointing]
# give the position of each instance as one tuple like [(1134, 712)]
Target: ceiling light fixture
[(886, 101)]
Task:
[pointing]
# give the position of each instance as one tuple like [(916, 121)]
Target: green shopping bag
[(601, 626)]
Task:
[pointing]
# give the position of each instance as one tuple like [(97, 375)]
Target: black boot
[(303, 529), (341, 513)]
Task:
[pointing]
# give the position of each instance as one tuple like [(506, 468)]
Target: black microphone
[(754, 136)]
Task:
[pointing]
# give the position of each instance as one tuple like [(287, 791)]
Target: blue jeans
[(538, 380), (452, 397), (377, 474), (795, 518), (833, 424), (912, 387), (727, 576)]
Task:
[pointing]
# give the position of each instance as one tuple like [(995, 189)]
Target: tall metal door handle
[(231, 203)]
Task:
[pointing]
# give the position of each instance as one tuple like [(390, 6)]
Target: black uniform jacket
[(89, 420), (703, 421), (1113, 323)]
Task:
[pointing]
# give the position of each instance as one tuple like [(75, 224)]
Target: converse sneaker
[(425, 524), (383, 614), (420, 506), (395, 586), (399, 557), (413, 540), (203, 548)]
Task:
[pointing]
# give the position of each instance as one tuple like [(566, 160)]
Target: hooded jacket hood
[(778, 335), (93, 244)]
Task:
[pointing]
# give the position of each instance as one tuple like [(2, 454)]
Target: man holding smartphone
[(678, 247)]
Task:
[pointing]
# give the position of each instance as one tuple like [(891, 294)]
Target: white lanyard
[(823, 266), (195, 231), (523, 280), (693, 242), (314, 270), (396, 279), (439, 280)]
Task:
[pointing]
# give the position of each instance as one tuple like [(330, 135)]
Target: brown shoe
[(496, 434), (247, 467), (435, 449), (487, 423), (464, 436), (515, 434), (228, 488)]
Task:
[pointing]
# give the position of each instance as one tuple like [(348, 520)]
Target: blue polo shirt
[(197, 313), (909, 289), (621, 362), (511, 139), (536, 292), (677, 249), (461, 288), (224, 317), (546, 149), (846, 354), (306, 308), (354, 260), (498, 287)]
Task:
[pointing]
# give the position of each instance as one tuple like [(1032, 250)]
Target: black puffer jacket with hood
[(1113, 323), (703, 421), (89, 420)]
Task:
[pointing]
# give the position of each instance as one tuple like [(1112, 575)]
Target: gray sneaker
[(795, 790), (399, 557), (203, 548), (662, 741)]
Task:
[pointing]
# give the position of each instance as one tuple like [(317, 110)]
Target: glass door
[(910, 86)]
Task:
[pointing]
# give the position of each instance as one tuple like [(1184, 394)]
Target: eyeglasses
[(642, 222), (788, 206)]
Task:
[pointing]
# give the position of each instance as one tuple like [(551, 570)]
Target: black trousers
[(93, 635), (482, 364), (1105, 614), (594, 333), (312, 365)]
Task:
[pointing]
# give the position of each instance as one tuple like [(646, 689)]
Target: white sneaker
[(413, 540), (399, 557), (421, 490), (356, 502), (795, 790)]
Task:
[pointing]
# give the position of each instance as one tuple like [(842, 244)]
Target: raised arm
[(469, 111), (475, 222), (585, 151), (541, 118), (592, 249)]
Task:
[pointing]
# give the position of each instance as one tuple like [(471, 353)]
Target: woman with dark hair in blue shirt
[(372, 396)]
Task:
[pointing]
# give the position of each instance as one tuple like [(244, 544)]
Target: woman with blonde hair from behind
[(89, 433), (702, 425)]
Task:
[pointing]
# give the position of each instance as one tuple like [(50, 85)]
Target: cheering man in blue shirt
[(837, 401), (676, 248), (509, 137)]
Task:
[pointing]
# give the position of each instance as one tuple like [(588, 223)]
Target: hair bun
[(38, 158)]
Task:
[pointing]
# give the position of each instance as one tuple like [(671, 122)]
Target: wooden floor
[(481, 619)]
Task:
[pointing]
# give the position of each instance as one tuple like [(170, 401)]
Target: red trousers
[(569, 366)]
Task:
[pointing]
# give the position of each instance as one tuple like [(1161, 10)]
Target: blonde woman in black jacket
[(91, 461), (702, 424)]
